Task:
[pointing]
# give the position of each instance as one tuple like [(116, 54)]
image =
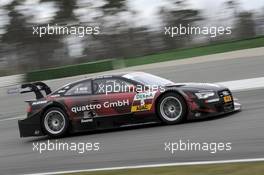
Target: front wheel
[(171, 108), (55, 122)]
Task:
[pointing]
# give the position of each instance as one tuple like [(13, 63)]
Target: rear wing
[(36, 87)]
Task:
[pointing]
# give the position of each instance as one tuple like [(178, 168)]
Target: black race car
[(119, 100)]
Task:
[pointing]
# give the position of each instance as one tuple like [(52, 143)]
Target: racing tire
[(55, 122), (171, 108)]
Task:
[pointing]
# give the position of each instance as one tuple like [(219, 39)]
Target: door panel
[(82, 110), (115, 104)]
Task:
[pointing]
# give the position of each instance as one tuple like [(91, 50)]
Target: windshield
[(147, 79)]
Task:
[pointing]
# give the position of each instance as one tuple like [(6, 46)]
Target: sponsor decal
[(83, 108), (87, 117), (61, 91), (55, 95), (36, 132), (142, 97), (118, 103), (227, 99), (39, 102), (212, 100), (106, 104), (138, 108)]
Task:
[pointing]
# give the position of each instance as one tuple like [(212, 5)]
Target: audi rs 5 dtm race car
[(119, 100)]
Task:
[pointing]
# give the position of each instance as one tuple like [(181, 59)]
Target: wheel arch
[(53, 104), (172, 91)]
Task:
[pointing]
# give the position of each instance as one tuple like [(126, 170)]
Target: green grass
[(67, 71), (253, 168), (105, 65), (198, 51)]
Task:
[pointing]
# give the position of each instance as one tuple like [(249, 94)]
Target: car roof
[(109, 75)]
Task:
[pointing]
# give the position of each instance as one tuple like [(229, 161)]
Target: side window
[(110, 85), (83, 88)]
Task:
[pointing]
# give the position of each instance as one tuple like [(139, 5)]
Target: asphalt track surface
[(145, 145)]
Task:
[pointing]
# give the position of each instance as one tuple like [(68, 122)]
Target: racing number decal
[(143, 101), (141, 108)]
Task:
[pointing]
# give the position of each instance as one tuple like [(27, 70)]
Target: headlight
[(204, 95)]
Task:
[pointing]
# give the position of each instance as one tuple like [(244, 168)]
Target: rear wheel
[(171, 108), (55, 122)]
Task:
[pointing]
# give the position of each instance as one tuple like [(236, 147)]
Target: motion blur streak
[(130, 28)]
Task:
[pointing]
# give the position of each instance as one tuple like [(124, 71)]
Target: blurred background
[(129, 28)]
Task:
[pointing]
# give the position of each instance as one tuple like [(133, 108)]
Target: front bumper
[(203, 109), (30, 127)]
